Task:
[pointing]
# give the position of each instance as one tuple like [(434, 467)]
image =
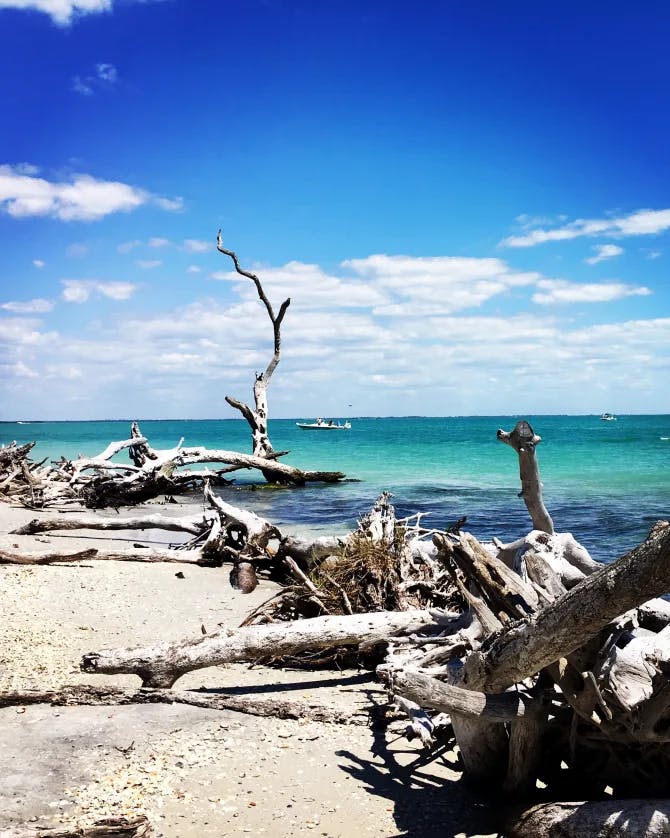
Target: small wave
[(664, 438)]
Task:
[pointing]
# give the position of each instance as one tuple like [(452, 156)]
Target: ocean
[(606, 482)]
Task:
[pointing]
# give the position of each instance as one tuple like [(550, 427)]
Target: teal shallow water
[(606, 482)]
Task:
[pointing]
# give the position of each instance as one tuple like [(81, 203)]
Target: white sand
[(193, 772)]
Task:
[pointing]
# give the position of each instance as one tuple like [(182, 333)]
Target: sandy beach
[(194, 772)]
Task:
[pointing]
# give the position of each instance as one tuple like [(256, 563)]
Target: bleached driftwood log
[(161, 665), (524, 441), (94, 522)]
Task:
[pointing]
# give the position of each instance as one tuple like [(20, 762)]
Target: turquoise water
[(606, 482)]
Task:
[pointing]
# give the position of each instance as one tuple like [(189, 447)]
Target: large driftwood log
[(161, 665), (571, 620), (524, 441), (597, 819), (136, 826)]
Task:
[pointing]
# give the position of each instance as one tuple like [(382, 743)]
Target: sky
[(468, 205)]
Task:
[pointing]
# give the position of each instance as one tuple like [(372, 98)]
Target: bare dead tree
[(524, 440), (258, 417)]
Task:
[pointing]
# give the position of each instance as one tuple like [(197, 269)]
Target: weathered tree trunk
[(258, 418), (598, 819), (524, 441), (161, 665)]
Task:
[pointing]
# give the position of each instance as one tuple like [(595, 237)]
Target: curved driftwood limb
[(136, 826), (188, 456), (257, 530), (258, 418), (597, 819), (253, 705), (571, 620), (524, 441), (161, 665)]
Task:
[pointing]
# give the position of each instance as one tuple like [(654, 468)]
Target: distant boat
[(608, 417), (322, 425)]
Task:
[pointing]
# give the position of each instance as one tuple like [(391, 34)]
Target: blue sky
[(467, 203)]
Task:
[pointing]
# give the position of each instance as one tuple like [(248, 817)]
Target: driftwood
[(99, 482), (137, 826), (524, 440), (258, 417), (75, 695), (161, 665), (580, 614), (194, 557)]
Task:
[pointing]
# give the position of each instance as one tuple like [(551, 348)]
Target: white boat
[(608, 417), (322, 425)]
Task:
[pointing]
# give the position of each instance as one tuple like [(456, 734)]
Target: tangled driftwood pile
[(100, 481), (550, 670)]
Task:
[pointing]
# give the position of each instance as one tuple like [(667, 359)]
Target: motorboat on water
[(323, 425), (608, 417)]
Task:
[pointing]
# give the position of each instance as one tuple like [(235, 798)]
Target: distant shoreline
[(338, 416)]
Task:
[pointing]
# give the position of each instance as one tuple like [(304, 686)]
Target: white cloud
[(158, 242), (560, 291), (61, 11), (148, 264), (386, 333), (22, 371), (441, 284), (643, 222), (604, 251), (126, 247), (82, 86), (107, 72), (193, 269), (83, 198), (77, 249), (38, 263), (308, 286), (169, 204), (104, 76), (37, 306), (197, 246), (79, 290)]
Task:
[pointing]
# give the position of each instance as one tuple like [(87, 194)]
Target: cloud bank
[(83, 198)]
